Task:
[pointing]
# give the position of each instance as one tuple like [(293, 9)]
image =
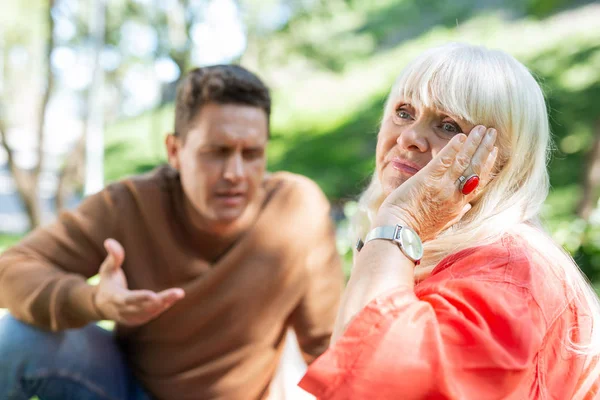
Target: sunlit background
[(87, 89)]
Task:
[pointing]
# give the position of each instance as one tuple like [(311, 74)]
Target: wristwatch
[(409, 242)]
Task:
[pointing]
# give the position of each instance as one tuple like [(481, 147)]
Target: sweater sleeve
[(43, 278), (456, 339)]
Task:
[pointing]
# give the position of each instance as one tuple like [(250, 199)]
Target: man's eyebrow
[(215, 144)]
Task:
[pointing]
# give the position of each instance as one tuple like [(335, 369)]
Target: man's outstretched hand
[(116, 302)]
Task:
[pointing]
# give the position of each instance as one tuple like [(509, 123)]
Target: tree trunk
[(179, 26), (46, 91), (26, 186), (72, 174), (33, 207), (591, 182), (27, 182), (94, 141)]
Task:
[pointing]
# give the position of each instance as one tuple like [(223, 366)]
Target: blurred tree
[(591, 180), (83, 166), (94, 123), (72, 174), (27, 181), (174, 31)]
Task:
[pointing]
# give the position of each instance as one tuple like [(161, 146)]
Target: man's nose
[(234, 168)]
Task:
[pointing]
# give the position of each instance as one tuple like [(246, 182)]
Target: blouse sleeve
[(456, 339)]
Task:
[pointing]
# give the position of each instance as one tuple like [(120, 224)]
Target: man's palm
[(128, 307)]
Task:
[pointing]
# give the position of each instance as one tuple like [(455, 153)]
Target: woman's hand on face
[(431, 201)]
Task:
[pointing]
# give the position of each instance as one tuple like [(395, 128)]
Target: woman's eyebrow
[(456, 118)]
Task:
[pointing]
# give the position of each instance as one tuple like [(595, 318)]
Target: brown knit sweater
[(224, 339)]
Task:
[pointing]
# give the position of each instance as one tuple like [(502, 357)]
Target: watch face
[(411, 243)]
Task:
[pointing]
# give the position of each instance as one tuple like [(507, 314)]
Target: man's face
[(222, 161)]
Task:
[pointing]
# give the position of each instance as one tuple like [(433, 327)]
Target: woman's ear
[(173, 145)]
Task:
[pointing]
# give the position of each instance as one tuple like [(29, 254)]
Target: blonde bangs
[(474, 95)]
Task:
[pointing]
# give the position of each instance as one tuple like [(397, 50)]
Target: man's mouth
[(231, 198)]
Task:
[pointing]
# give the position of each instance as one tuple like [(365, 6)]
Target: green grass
[(7, 240)]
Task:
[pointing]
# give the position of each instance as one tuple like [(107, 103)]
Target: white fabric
[(291, 369)]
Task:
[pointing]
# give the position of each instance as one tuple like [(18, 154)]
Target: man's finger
[(147, 309), (138, 297), (116, 255), (171, 295)]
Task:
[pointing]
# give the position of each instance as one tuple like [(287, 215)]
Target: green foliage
[(325, 123), (135, 145), (543, 8)]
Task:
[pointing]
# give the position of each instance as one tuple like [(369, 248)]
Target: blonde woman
[(456, 290)]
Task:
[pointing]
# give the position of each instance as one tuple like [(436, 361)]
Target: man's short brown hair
[(220, 84)]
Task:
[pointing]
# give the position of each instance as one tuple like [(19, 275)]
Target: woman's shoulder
[(539, 272), (505, 259)]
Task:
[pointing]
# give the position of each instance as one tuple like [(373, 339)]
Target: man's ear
[(173, 145)]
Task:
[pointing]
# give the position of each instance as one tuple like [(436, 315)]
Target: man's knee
[(21, 341), (36, 361)]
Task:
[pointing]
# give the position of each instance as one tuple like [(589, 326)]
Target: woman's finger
[(482, 154), (445, 158), (462, 161), (488, 167)]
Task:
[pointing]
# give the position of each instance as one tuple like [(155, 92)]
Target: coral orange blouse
[(490, 323)]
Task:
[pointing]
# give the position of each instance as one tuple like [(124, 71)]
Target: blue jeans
[(77, 364)]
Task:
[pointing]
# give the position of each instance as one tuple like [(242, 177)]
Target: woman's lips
[(405, 166)]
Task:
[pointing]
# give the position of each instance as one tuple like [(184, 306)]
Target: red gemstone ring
[(468, 183)]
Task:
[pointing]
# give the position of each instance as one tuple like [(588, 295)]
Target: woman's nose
[(414, 137)]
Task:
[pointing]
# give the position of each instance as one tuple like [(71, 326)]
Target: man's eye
[(222, 151), (252, 154)]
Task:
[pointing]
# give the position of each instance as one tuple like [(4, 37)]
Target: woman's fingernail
[(491, 133), (462, 138)]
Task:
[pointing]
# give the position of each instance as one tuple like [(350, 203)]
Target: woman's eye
[(450, 127), (403, 114)]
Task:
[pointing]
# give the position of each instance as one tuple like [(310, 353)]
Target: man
[(203, 265)]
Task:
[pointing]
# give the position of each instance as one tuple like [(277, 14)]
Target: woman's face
[(410, 136)]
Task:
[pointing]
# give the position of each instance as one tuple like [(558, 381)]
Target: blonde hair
[(491, 88)]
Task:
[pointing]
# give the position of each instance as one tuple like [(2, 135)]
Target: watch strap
[(383, 232), (387, 232)]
